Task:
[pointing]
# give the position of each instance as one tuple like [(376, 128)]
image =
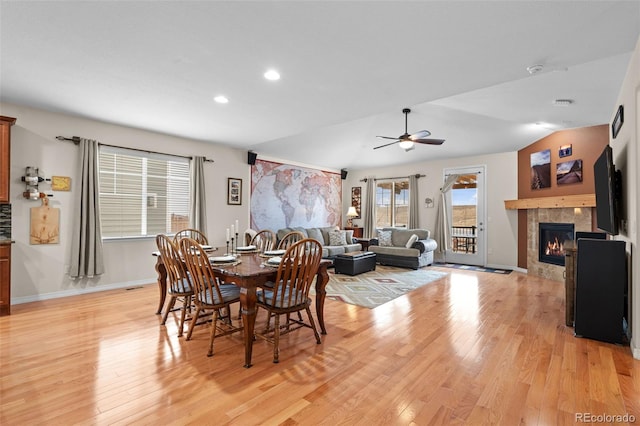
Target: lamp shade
[(352, 212)]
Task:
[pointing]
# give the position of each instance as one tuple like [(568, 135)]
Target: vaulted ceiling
[(347, 70)]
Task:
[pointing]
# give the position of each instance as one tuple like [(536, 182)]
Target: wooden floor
[(471, 348)]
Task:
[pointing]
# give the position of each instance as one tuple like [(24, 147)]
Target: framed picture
[(565, 151), (541, 169), (569, 172), (356, 198), (617, 122), (234, 191)]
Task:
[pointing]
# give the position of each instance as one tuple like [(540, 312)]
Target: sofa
[(392, 247), (334, 240)]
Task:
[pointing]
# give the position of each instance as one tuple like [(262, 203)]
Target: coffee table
[(355, 263)]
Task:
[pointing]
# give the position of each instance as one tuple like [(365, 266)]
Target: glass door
[(466, 217)]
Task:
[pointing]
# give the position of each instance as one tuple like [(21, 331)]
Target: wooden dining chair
[(289, 239), (264, 240), (193, 234), (179, 285), (209, 293), (290, 292)]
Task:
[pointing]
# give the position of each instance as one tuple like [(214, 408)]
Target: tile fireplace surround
[(579, 216)]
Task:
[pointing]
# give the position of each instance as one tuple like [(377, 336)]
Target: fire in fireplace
[(552, 238)]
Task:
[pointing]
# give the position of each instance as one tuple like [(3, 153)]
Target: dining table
[(250, 273)]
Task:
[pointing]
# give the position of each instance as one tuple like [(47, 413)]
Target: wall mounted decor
[(234, 191), (356, 199), (287, 195), (45, 224), (617, 122), (60, 183), (541, 169), (569, 172), (565, 151)]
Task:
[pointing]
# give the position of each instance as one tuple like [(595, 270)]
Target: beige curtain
[(197, 201), (441, 234), (87, 259), (370, 209), (414, 203)]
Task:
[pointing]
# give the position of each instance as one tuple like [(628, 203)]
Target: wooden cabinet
[(5, 156), (357, 232), (5, 249), (5, 279)]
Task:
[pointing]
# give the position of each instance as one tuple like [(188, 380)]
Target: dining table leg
[(322, 278), (162, 283), (249, 311)]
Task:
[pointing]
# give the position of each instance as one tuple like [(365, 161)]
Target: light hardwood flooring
[(471, 348)]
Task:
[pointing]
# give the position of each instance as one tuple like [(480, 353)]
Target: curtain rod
[(417, 175), (76, 141)]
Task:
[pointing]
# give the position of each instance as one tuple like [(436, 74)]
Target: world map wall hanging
[(286, 196)]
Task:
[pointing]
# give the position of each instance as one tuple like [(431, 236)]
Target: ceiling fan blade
[(429, 141), (420, 135), (382, 146), (385, 137)]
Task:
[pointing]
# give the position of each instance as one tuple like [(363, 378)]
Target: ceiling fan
[(407, 141)]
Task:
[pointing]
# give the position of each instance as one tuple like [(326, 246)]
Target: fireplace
[(552, 238)]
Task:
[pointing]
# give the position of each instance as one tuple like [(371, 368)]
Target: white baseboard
[(78, 291), (635, 348)]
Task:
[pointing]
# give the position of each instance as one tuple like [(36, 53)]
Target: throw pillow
[(384, 239), (337, 238), (349, 234), (412, 240)]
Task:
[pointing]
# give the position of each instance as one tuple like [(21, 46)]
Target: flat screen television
[(608, 183)]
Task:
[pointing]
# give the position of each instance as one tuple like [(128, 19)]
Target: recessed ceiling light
[(221, 99), (272, 75)]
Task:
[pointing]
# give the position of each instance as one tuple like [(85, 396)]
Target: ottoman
[(355, 263)]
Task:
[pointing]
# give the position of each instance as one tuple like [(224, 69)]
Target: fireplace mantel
[(582, 200)]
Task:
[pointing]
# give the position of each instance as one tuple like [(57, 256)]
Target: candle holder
[(232, 249), (227, 252), (237, 239)]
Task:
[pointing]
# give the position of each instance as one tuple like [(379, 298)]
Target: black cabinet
[(601, 290)]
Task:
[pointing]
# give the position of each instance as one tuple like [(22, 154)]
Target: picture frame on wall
[(569, 172), (541, 169), (617, 122), (356, 198), (234, 191), (565, 151)]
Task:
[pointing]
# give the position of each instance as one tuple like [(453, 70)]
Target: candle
[(237, 226), (227, 234), (232, 233)]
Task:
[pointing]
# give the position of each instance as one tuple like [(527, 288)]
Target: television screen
[(606, 197)]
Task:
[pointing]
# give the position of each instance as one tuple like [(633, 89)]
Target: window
[(142, 194), (392, 203)]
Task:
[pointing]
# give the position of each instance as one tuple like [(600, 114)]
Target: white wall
[(501, 184), (38, 271), (627, 158)]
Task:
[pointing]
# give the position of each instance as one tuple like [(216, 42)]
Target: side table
[(364, 242)]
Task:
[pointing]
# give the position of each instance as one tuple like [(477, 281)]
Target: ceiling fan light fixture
[(406, 144)]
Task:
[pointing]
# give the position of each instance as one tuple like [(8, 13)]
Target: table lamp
[(351, 213)]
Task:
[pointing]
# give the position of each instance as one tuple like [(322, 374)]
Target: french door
[(465, 203)]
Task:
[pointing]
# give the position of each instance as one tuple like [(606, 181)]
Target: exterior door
[(466, 217)]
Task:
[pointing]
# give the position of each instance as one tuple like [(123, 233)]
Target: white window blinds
[(142, 194)]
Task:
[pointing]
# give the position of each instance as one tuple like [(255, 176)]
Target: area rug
[(374, 288), (473, 268)]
